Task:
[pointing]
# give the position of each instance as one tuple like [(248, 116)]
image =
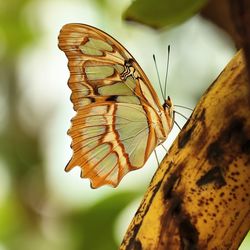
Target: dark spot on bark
[(246, 147), (137, 245), (168, 187), (214, 152), (213, 175), (200, 202), (175, 207), (137, 227), (233, 141), (185, 137), (132, 239), (168, 168), (235, 188), (202, 116), (156, 188), (234, 131), (237, 125), (188, 234)]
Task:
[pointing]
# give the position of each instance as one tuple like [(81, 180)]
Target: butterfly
[(119, 119)]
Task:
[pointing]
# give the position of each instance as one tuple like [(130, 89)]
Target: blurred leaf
[(93, 229), (219, 13), (162, 13), (19, 148), (10, 219), (101, 3), (16, 230), (20, 151), (14, 25)]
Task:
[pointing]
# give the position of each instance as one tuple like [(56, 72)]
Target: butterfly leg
[(156, 158), (164, 147)]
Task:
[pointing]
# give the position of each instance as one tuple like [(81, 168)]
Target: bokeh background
[(41, 206)]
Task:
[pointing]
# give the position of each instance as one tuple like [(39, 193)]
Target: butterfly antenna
[(159, 80), (181, 106), (166, 76), (164, 147), (180, 114)]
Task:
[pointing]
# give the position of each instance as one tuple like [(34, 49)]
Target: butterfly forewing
[(97, 67), (113, 131)]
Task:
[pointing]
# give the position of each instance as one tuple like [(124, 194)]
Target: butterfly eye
[(168, 103), (165, 105)]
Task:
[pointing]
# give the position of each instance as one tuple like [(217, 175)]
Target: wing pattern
[(117, 110)]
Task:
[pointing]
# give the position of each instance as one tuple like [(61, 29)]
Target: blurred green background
[(42, 207)]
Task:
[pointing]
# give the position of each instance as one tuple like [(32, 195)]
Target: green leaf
[(15, 29), (162, 13)]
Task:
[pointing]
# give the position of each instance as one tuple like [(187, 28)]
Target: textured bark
[(240, 12), (233, 16), (199, 197)]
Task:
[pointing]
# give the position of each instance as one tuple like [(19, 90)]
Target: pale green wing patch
[(134, 136), (95, 47), (99, 72), (116, 89), (128, 99)]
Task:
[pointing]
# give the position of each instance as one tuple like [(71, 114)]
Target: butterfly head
[(168, 107)]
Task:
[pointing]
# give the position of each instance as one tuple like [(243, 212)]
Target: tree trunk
[(199, 197)]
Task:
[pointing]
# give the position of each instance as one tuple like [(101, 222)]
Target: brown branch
[(233, 16), (240, 12), (199, 197)]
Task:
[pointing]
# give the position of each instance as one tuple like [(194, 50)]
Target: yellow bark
[(199, 197)]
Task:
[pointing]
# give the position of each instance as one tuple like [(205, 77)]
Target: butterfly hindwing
[(110, 140)]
